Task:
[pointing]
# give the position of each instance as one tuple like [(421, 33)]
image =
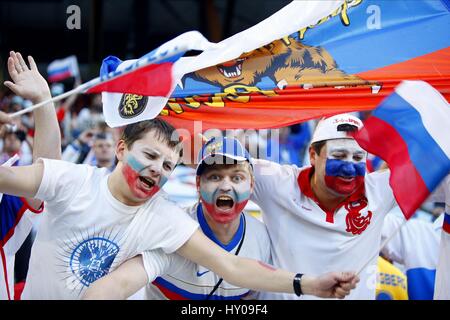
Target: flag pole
[(76, 90)]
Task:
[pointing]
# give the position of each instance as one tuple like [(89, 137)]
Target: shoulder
[(256, 228), (270, 168)]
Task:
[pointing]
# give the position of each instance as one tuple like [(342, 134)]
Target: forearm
[(255, 275), (103, 289), (47, 138), (121, 283)]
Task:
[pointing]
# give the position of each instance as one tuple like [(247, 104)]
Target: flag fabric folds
[(134, 90), (347, 61), (62, 69), (409, 130), (308, 60)]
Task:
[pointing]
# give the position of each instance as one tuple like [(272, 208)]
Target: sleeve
[(175, 227), (268, 177), (394, 249), (379, 181), (156, 263), (60, 183), (14, 221)]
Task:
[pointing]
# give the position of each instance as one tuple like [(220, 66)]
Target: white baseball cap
[(334, 127)]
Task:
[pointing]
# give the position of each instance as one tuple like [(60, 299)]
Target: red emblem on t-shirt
[(357, 223)]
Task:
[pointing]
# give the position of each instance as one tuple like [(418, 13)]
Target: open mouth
[(150, 183), (224, 202), (231, 69), (348, 179)]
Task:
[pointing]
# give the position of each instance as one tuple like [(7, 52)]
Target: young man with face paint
[(96, 220), (224, 183), (327, 216)]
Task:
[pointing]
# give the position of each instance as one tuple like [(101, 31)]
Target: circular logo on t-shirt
[(92, 258)]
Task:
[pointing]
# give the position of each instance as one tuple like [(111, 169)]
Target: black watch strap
[(297, 284)]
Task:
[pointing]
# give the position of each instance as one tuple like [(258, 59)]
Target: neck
[(104, 163), (117, 186), (326, 199), (224, 232)]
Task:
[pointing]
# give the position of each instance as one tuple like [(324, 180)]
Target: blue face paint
[(335, 167), (337, 170), (134, 163), (162, 181)]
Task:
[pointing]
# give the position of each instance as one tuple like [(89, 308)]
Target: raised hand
[(27, 82), (335, 284), (4, 118)]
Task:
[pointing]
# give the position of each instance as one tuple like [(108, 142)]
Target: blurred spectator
[(14, 141), (102, 152), (92, 147), (292, 143)]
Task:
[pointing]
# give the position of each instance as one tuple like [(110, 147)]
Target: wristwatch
[(297, 284)]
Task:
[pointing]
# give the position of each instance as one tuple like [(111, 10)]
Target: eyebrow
[(147, 149), (346, 150)]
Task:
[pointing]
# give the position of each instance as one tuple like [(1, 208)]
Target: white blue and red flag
[(409, 130), (62, 69)]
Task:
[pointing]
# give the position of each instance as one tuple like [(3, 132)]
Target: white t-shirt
[(86, 232), (416, 247), (307, 239), (183, 279), (16, 221)]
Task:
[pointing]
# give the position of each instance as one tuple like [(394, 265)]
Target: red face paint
[(344, 186), (137, 187), (224, 216)]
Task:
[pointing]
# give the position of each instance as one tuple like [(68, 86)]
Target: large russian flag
[(410, 131)]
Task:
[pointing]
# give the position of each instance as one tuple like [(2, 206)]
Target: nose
[(156, 169), (225, 185), (348, 169)]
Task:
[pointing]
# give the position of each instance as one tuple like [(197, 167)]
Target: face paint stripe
[(134, 163), (335, 167)]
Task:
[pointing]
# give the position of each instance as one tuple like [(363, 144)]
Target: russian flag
[(138, 89), (410, 131), (62, 69)]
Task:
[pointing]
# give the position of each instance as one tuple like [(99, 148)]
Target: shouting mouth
[(231, 69), (148, 183), (224, 202)]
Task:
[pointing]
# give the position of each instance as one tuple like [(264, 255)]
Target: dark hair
[(164, 132), (101, 136), (317, 146), (20, 134)]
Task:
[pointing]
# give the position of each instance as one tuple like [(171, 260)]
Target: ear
[(312, 156), (252, 184), (197, 183), (120, 150)]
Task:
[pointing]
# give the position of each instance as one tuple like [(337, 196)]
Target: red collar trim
[(304, 183)]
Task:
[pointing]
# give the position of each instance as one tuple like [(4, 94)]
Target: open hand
[(27, 81)]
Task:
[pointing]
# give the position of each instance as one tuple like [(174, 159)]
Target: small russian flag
[(446, 224), (410, 131), (62, 69)]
